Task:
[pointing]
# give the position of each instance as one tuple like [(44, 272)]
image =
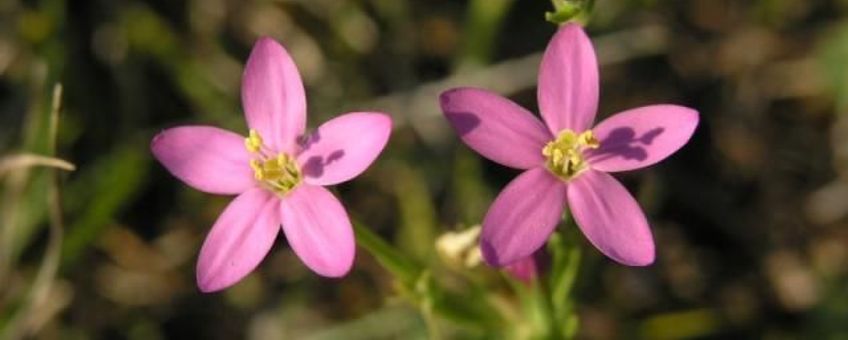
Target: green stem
[(484, 21), (568, 277), (566, 254), (405, 270), (422, 290)]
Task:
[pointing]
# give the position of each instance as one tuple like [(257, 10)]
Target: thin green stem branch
[(566, 254), (407, 271)]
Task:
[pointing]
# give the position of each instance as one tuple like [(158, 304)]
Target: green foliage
[(832, 56), (402, 268), (389, 322), (99, 193), (140, 66), (565, 251), (418, 218), (481, 31)]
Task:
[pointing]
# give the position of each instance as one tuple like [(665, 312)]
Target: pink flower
[(565, 160), (277, 175)]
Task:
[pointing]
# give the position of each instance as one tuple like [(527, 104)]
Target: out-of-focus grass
[(832, 56), (738, 254), (99, 193), (39, 301)]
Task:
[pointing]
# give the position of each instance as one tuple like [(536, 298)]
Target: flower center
[(279, 173), (565, 154)]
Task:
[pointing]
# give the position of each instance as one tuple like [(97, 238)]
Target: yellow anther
[(253, 142), (575, 158), (587, 139), (567, 137), (258, 171), (255, 164), (565, 154), (283, 160), (279, 174), (557, 156)]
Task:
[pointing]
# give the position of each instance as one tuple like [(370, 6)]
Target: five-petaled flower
[(277, 173), (565, 160)]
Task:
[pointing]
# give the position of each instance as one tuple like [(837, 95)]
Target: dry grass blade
[(26, 160), (26, 322)]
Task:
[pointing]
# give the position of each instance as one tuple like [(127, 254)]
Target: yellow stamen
[(587, 138), (279, 174), (253, 142), (565, 154), (258, 172)]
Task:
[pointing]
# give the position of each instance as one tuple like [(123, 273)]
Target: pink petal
[(206, 158), (522, 217), (272, 96), (643, 136), (239, 240), (610, 218), (496, 127), (568, 81), (318, 230), (344, 147)]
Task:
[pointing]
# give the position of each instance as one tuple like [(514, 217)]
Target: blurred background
[(749, 218)]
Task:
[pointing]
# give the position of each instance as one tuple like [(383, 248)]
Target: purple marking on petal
[(611, 218), (522, 217), (343, 147), (496, 127), (239, 240), (273, 97), (318, 230), (641, 137), (568, 81), (206, 158)]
